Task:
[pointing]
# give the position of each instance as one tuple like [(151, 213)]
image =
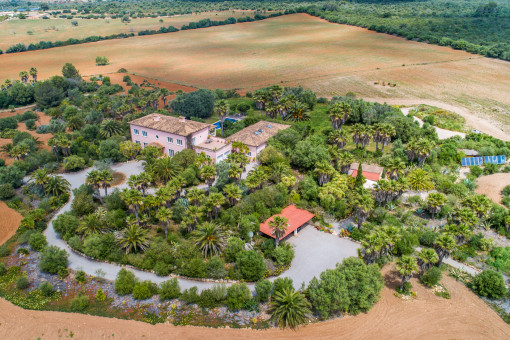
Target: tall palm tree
[(407, 267), (33, 73), (338, 113), (94, 180), (344, 161), (233, 193), (289, 308), (444, 245), (221, 108), (208, 174), (357, 134), (395, 168), (164, 169), (276, 92), (133, 238), (195, 195), (40, 178), (338, 138), (192, 217), (91, 224), (364, 203), (164, 215), (109, 128), (426, 258), (106, 179), (75, 122), (420, 149), (133, 199), (235, 172), (435, 202), (209, 238), (216, 200), (24, 76), (57, 185), (298, 112), (279, 226), (388, 131), (324, 171)]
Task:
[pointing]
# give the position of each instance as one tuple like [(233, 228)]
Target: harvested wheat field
[(464, 316), (492, 185), (35, 30), (330, 59), (8, 223)]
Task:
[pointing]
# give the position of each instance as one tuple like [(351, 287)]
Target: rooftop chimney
[(156, 118), (182, 119)]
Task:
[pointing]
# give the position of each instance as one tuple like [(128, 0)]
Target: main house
[(174, 134)]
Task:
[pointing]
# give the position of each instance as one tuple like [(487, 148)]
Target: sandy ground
[(464, 316), (330, 59), (492, 185), (9, 222)]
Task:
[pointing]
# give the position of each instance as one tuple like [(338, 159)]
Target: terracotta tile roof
[(258, 133), (178, 126), (368, 175), (370, 171), (297, 217)]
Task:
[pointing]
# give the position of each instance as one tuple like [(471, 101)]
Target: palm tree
[(233, 193), (338, 138), (364, 203), (235, 172), (221, 108), (40, 178), (444, 245), (209, 238), (395, 168), (208, 174), (91, 224), (420, 149), (164, 169), (388, 131), (33, 73), (324, 171), (24, 76), (298, 112), (407, 267), (216, 200), (164, 92), (288, 181), (289, 308), (106, 179), (133, 238), (57, 185), (426, 258), (435, 202), (338, 113), (94, 180), (164, 215), (75, 122), (109, 128), (344, 161), (278, 227), (192, 217), (133, 199), (276, 92), (195, 195), (357, 134), (419, 180)]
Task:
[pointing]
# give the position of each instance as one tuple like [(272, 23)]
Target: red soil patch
[(9, 222), (464, 316), (492, 185)]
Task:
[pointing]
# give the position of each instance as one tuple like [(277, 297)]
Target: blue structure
[(468, 161), (495, 159), (218, 123)]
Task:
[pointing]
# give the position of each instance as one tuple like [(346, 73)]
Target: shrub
[(37, 241), (100, 295), (53, 260), (144, 290), (125, 282), (22, 283), (194, 268), (431, 277), (476, 170), (80, 303), (73, 163), (405, 289), (251, 265), (3, 269), (219, 292), (215, 268), (63, 272), (234, 247), (207, 299), (489, 284), (46, 288), (162, 269), (190, 295), (80, 276), (169, 290), (282, 283), (6, 191), (237, 295), (283, 255), (4, 251), (263, 289), (65, 225), (30, 124)]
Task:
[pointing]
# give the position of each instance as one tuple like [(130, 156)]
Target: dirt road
[(9, 222), (492, 185)]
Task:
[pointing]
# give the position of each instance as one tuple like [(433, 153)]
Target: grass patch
[(440, 118)]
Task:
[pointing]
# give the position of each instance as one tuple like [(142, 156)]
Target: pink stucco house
[(174, 134), (255, 136)]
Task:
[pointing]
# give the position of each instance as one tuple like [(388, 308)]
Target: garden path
[(441, 133)]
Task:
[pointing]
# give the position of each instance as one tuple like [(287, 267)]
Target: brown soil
[(492, 185), (464, 316), (118, 179), (9, 222)]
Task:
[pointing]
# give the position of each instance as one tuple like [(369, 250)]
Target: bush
[(190, 295), (53, 260), (282, 283), (73, 163), (46, 288), (489, 284), (37, 241), (162, 269), (22, 283), (80, 276), (219, 292), (234, 247), (215, 268), (6, 191), (237, 295), (65, 225), (169, 290), (251, 265), (144, 290), (30, 124), (4, 251), (476, 170), (283, 255), (80, 303), (207, 299), (263, 289), (3, 269), (405, 289), (100, 295), (125, 282), (431, 277)]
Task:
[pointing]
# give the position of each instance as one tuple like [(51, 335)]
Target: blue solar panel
[(468, 161), (501, 159)]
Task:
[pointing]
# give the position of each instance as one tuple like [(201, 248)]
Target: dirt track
[(9, 222), (464, 316), (492, 185)]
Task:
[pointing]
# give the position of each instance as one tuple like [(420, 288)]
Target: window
[(169, 139), (136, 132), (144, 133), (137, 141), (226, 153), (170, 152), (249, 153), (144, 144), (179, 142), (194, 141)]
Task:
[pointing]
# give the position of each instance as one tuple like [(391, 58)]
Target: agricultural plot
[(330, 59)]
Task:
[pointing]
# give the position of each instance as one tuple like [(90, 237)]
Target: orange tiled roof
[(296, 218), (368, 175)]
